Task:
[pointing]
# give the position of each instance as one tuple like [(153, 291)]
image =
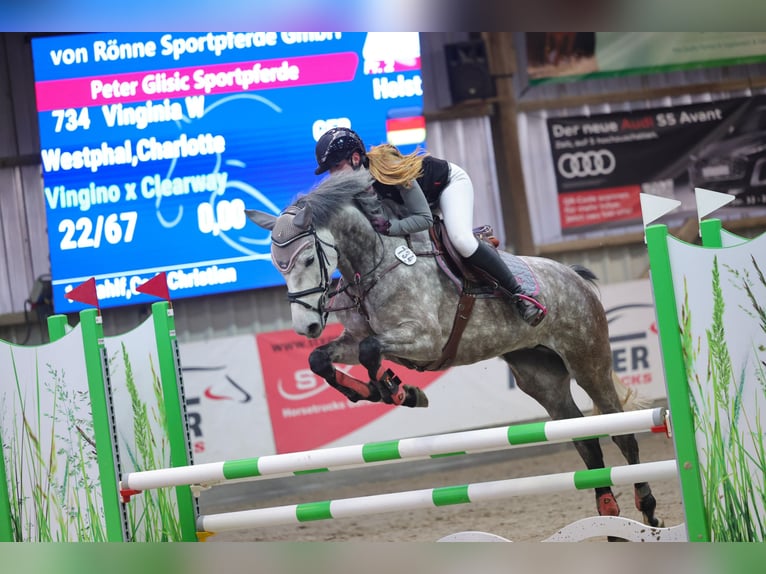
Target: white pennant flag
[(708, 201), (654, 206)]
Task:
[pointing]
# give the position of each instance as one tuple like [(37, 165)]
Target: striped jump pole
[(346, 457), (436, 497)]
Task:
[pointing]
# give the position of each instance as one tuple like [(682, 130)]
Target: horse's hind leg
[(645, 501), (597, 379), (542, 375)]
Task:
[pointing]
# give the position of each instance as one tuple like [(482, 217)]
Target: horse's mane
[(334, 192)]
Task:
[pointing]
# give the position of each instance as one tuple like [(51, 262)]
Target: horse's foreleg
[(320, 361), (371, 356), (384, 380)]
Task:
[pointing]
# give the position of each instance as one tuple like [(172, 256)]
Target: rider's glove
[(381, 224)]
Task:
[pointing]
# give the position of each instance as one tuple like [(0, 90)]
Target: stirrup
[(533, 320)]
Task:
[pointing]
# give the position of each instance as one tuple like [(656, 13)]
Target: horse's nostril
[(314, 330)]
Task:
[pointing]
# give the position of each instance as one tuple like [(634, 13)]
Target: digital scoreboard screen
[(153, 144)]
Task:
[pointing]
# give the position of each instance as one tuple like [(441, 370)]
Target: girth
[(471, 286)]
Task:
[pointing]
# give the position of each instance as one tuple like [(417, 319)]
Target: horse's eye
[(310, 261)]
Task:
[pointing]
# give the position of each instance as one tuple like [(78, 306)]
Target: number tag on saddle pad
[(405, 255)]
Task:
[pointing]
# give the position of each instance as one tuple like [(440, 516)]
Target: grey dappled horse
[(404, 313)]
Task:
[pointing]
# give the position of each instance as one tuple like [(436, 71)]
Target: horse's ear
[(261, 219), (302, 219)]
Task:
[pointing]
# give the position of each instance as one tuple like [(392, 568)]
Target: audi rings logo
[(586, 163)]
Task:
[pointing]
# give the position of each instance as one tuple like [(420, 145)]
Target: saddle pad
[(424, 241), (522, 272)]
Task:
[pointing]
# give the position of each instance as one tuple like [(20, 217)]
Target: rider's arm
[(419, 217)]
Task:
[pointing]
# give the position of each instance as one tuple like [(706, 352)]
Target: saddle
[(467, 278), (470, 279), (471, 282)]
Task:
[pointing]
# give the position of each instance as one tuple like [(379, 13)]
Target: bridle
[(324, 263), (325, 286)]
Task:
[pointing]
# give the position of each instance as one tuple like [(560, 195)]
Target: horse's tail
[(588, 275), (629, 398), (585, 273)]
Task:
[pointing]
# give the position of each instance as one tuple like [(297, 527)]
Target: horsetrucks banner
[(603, 162), (255, 394), (153, 144)]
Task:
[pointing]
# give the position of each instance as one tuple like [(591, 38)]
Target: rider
[(342, 148), (419, 179)]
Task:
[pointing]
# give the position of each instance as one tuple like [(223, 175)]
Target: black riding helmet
[(338, 144)]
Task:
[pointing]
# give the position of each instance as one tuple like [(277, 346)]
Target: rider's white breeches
[(456, 206)]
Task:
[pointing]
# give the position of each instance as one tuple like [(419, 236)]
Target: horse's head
[(308, 238), (306, 257)]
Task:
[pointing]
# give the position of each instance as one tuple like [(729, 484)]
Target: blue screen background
[(268, 161)]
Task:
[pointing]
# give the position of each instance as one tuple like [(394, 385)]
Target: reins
[(358, 298)]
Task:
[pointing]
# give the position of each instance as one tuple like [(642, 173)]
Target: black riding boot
[(488, 260)]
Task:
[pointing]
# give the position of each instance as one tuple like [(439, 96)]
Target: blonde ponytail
[(390, 167)]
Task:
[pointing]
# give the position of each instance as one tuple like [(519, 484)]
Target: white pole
[(433, 497), (271, 466)]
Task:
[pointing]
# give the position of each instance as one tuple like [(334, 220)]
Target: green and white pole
[(403, 449), (436, 497)]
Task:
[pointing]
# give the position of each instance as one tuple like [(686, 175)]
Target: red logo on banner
[(307, 413)]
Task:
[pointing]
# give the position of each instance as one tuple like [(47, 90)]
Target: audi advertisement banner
[(603, 162)]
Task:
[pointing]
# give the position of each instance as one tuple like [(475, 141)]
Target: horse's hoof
[(654, 522), (607, 505), (415, 397), (646, 503)]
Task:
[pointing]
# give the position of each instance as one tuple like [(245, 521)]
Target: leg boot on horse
[(354, 389), (384, 380), (488, 260), (388, 385), (385, 388)]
